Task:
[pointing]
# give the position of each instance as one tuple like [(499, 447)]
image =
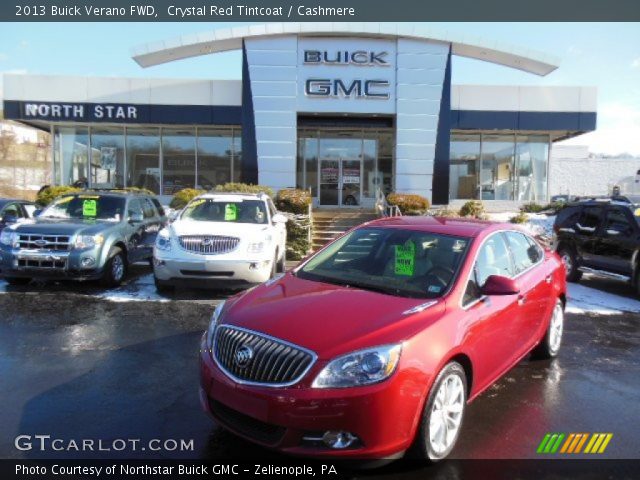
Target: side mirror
[(499, 285), (279, 218), (136, 217)]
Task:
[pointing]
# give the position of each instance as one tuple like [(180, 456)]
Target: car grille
[(60, 263), (44, 242), (273, 362), (208, 244), (245, 425)]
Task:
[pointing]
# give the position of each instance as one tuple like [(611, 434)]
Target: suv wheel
[(570, 262), (15, 281), (274, 267), (550, 344), (282, 263), (115, 269), (443, 414)]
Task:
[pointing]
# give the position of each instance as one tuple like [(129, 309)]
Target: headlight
[(163, 240), (215, 318), (88, 241), (8, 237), (363, 367)]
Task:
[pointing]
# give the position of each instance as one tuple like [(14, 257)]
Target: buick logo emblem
[(207, 242), (243, 356)]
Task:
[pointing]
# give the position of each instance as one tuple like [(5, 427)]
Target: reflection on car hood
[(329, 319), (186, 227), (65, 226)]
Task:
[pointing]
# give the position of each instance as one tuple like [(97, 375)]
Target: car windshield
[(230, 211), (394, 261), (97, 207)]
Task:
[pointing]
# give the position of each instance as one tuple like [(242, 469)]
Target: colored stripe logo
[(574, 443)]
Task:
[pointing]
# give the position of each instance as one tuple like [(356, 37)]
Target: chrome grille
[(274, 362), (208, 244), (44, 242)]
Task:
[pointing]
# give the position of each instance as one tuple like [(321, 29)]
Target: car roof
[(464, 227), (112, 193)]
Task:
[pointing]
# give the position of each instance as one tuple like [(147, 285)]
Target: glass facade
[(162, 160), (491, 166), (345, 167)]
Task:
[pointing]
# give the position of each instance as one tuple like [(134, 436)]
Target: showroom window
[(143, 158), (71, 154), (465, 158), (178, 159), (215, 157), (107, 157)]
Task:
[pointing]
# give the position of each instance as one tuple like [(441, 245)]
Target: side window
[(589, 220), (134, 207), (12, 210), (148, 208), (524, 254), (535, 250), (568, 217), (159, 207), (493, 259), (472, 292), (617, 221), (272, 208)]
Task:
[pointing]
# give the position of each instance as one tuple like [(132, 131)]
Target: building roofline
[(227, 39)]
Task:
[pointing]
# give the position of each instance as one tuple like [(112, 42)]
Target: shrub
[(408, 203), (473, 208), (555, 207), (293, 201), (521, 217), (532, 207), (50, 193), (234, 187), (445, 212), (184, 196)]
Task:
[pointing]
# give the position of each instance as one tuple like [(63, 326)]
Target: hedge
[(473, 208), (50, 193), (234, 187), (184, 196), (294, 203), (409, 204), (293, 200), (521, 217)]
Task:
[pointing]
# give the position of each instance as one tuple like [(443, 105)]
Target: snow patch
[(583, 300), (142, 289), (538, 224)]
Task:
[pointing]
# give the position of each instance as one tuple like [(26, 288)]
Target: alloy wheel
[(446, 414), (568, 262), (117, 268), (555, 328)]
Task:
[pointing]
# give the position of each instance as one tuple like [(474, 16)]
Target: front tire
[(115, 269), (16, 281), (570, 262), (550, 344), (442, 415), (282, 263)]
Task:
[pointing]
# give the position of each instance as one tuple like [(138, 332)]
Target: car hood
[(54, 226), (241, 230), (329, 319)]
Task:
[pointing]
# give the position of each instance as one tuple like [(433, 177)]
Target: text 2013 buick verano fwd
[(375, 345)]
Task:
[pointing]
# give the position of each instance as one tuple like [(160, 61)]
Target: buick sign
[(243, 356), (344, 57)]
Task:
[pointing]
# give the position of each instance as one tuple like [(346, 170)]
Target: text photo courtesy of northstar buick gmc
[(410, 316), (222, 240), (84, 236)]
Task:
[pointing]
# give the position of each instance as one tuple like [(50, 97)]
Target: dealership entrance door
[(345, 167)]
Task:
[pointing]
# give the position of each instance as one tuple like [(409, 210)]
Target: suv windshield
[(234, 211), (86, 207), (394, 261)]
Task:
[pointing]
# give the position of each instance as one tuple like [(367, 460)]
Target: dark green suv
[(83, 236)]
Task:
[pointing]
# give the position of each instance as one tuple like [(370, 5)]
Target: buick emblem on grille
[(207, 242), (243, 356)]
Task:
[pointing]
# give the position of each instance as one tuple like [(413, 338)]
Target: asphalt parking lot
[(77, 361)]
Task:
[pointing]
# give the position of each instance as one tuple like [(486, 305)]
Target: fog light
[(338, 439), (88, 262)]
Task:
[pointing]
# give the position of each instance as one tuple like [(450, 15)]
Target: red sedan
[(375, 345)]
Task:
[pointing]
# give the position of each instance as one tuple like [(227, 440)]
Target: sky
[(605, 55)]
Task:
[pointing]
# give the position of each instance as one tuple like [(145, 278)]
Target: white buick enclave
[(221, 240)]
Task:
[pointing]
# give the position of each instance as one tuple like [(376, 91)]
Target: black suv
[(600, 237), (83, 236)]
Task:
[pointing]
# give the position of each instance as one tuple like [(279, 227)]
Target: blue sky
[(599, 54)]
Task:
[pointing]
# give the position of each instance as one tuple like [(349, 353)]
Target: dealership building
[(347, 110)]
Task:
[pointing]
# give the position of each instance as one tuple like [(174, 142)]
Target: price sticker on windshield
[(89, 208), (230, 212), (405, 259), (637, 212)]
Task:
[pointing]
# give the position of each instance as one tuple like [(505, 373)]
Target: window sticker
[(459, 246), (637, 212), (405, 259), (434, 288), (230, 212), (89, 208)]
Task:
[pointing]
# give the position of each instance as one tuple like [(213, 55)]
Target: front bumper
[(210, 269), (383, 416), (72, 264)]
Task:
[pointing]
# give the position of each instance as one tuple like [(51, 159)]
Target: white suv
[(221, 240)]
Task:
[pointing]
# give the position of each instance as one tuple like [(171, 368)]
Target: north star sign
[(79, 111), (375, 89)]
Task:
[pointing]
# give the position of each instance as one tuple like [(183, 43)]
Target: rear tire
[(570, 262), (282, 263), (16, 281), (444, 409), (115, 269), (552, 340), (274, 267)]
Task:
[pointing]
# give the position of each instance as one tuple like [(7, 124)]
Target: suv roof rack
[(122, 191), (258, 194)]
